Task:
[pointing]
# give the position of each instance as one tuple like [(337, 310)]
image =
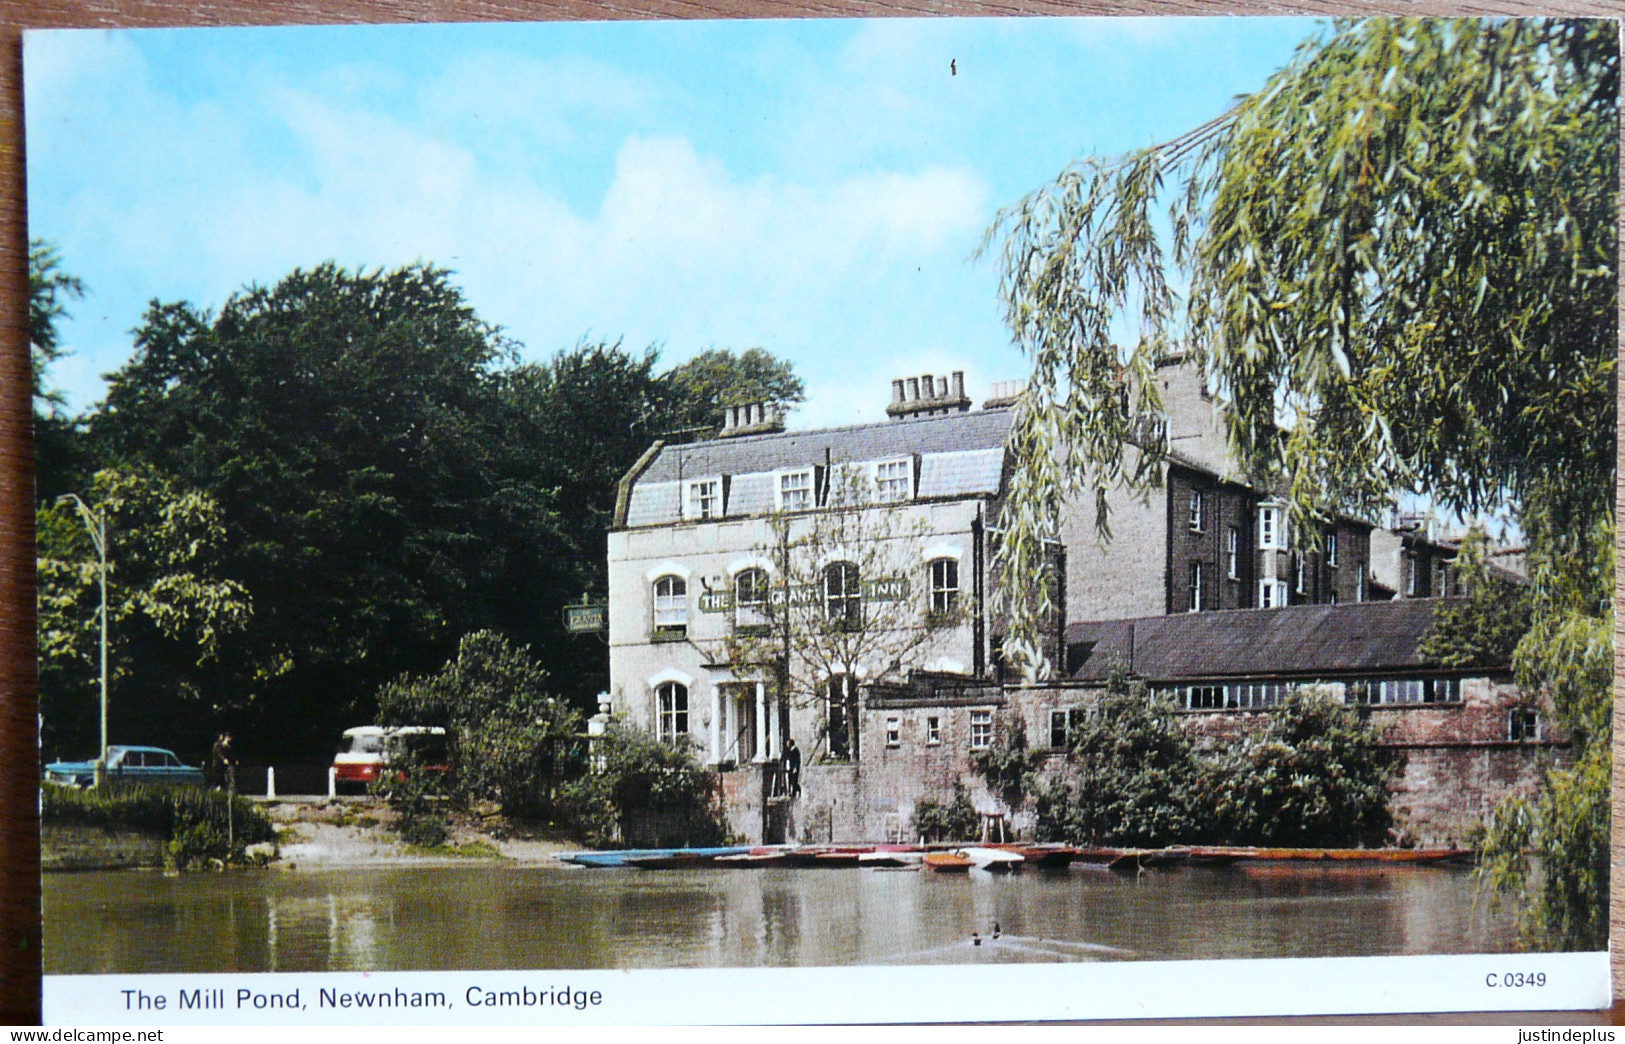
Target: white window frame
[(1270, 528), (1198, 502), (752, 614), (944, 596), (1360, 591), (668, 715), (693, 507), (894, 730), (1529, 724), (981, 729), (674, 612), (933, 731), (1196, 588), (783, 503), (1272, 594), (885, 485), (1301, 572), (1232, 550), (1331, 549)]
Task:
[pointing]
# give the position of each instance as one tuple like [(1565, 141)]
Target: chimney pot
[(959, 384), (913, 388), (897, 390), (928, 386)]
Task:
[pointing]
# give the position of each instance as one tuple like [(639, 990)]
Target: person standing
[(792, 767), (222, 768)]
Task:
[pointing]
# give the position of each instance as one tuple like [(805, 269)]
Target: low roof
[(1303, 640)]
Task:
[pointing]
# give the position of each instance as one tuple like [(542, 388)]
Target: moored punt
[(1134, 860), (1042, 856), (839, 858), (883, 859), (948, 862), (752, 861), (1364, 855), (994, 860), (622, 857), (673, 861)]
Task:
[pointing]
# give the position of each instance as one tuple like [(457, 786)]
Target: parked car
[(371, 747), (129, 765)]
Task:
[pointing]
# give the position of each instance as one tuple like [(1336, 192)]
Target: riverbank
[(313, 835)]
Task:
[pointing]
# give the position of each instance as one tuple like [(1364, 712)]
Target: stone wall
[(72, 846)]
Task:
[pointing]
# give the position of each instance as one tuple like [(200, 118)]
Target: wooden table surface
[(19, 828)]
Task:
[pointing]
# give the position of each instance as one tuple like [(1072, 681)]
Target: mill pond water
[(490, 916)]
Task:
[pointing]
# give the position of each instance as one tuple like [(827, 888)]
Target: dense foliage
[(376, 475), (1132, 775), (511, 739), (643, 792), (1313, 776), (1400, 266), (57, 454), (953, 820), (1483, 626), (199, 825)]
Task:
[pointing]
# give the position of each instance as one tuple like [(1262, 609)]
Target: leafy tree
[(376, 494), (1006, 763), (718, 377), (512, 738), (1132, 776), (1312, 776), (1483, 626), (57, 437), (840, 605), (171, 611), (49, 290), (1399, 264)]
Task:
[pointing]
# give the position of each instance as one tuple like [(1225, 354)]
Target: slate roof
[(961, 454), (1302, 640)]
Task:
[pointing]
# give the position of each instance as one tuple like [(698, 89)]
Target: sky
[(816, 188)]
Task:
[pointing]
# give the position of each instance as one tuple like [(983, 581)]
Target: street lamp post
[(97, 525)]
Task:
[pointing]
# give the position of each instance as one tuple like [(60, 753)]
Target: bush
[(643, 791), (1314, 776), (1007, 764), (1133, 778), (199, 825), (955, 821), (416, 796), (511, 741)]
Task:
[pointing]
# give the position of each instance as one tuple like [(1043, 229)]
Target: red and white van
[(371, 747)]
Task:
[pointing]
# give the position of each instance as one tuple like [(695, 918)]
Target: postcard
[(824, 521)]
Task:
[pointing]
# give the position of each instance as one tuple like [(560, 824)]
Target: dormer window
[(795, 490), (894, 481), (704, 499)]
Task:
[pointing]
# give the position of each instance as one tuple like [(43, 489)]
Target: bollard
[(270, 781), (332, 781)]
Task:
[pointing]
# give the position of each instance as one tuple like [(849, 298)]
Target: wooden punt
[(1042, 856), (948, 862), (1235, 853)]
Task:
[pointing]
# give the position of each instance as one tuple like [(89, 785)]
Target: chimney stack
[(928, 395), (756, 418)]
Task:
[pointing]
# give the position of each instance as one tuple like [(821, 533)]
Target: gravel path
[(356, 833)]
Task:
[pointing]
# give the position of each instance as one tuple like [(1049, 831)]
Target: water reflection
[(503, 917)]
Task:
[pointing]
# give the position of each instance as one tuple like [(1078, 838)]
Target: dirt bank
[(356, 833)]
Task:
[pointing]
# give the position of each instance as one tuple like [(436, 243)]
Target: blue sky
[(814, 187)]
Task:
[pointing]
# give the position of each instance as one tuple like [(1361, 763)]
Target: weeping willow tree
[(1395, 265)]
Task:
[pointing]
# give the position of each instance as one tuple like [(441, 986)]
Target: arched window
[(843, 595), (944, 586), (671, 604), (750, 598), (671, 711)]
